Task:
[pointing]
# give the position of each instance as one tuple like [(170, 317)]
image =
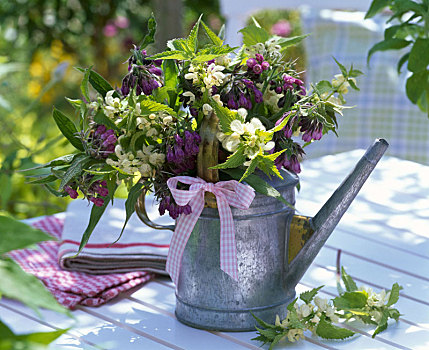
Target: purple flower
[(258, 95), (251, 62), (170, 155), (103, 192), (178, 140), (194, 111), (157, 62), (71, 192), (97, 201), (278, 89), (257, 69), (214, 90), (265, 65), (244, 102), (100, 130), (232, 104), (178, 152), (187, 209), (155, 70), (259, 57)]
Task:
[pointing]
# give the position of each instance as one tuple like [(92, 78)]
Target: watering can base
[(240, 320)]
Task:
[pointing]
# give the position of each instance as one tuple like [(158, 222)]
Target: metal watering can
[(274, 250)]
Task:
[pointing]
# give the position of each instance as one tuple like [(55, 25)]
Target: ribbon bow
[(227, 193)]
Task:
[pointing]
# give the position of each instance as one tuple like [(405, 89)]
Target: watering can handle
[(142, 214)]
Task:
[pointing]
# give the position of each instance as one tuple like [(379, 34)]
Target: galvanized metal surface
[(208, 298)]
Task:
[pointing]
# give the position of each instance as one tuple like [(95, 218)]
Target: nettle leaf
[(149, 106), (342, 68), (234, 160), (253, 35), (291, 41), (394, 294), (267, 165), (192, 40), (74, 170), (250, 169), (323, 86), (327, 330), (382, 325), (68, 129), (390, 44), (262, 322), (16, 235), (226, 116), (419, 55), (416, 85), (294, 321), (351, 300), (171, 55), (178, 44), (19, 285), (258, 184), (149, 38), (376, 7), (349, 283), (212, 52), (308, 296), (216, 40)]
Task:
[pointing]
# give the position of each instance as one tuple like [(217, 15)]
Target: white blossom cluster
[(206, 76), (375, 302), (341, 84), (113, 105), (250, 135), (270, 50), (152, 124)]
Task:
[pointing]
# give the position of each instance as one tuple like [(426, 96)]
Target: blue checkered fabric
[(382, 108)]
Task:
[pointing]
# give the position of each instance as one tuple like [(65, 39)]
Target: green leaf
[(216, 40), (402, 61), (212, 52), (419, 55), (267, 165), (416, 85), (348, 281), (43, 338), (43, 180), (390, 44), (268, 333), (75, 169), (253, 35), (76, 103), (149, 106), (149, 38), (308, 296), (262, 322), (221, 34), (395, 314), (96, 213), (250, 169), (55, 192), (258, 184), (226, 116), (16, 235), (16, 284), (63, 160), (171, 55), (234, 160), (376, 7), (394, 294), (101, 118), (84, 85), (327, 330), (342, 68), (323, 86), (291, 41), (68, 129), (100, 84), (192, 40), (351, 300), (382, 325), (171, 72)]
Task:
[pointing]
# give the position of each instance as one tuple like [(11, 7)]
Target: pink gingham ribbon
[(227, 193)]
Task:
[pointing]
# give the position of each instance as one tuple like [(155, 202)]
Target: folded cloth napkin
[(140, 247), (71, 288)]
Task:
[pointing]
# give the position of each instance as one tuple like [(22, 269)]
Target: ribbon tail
[(181, 234), (228, 249)]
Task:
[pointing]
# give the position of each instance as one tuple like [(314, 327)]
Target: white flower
[(321, 303), (167, 120), (257, 124), (190, 95), (315, 319), (282, 324), (376, 315), (221, 136), (242, 112), (151, 132), (232, 142), (145, 170), (237, 127), (223, 60), (305, 310), (295, 334), (269, 146), (207, 109), (217, 99), (137, 109), (191, 76)]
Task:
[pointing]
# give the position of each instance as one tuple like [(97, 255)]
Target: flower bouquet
[(203, 125)]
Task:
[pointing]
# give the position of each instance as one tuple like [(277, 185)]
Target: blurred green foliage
[(40, 43)]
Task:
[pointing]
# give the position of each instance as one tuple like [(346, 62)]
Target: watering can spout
[(314, 232)]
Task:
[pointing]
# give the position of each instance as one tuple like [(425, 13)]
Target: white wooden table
[(384, 238)]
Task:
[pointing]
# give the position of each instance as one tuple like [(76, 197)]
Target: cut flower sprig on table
[(193, 110), (317, 315)]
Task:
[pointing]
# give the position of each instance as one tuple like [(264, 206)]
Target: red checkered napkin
[(72, 288)]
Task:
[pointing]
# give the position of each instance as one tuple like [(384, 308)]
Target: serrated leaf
[(267, 165), (291, 41), (250, 169), (323, 86), (226, 116), (16, 284), (68, 129), (233, 161), (394, 295), (171, 55), (149, 38), (216, 40), (16, 235), (149, 106), (253, 35), (192, 40), (74, 170), (258, 184), (419, 55), (327, 330), (351, 300), (390, 44), (308, 296), (376, 7), (63, 160), (294, 321), (342, 68), (262, 322), (382, 325), (212, 52), (349, 283)]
